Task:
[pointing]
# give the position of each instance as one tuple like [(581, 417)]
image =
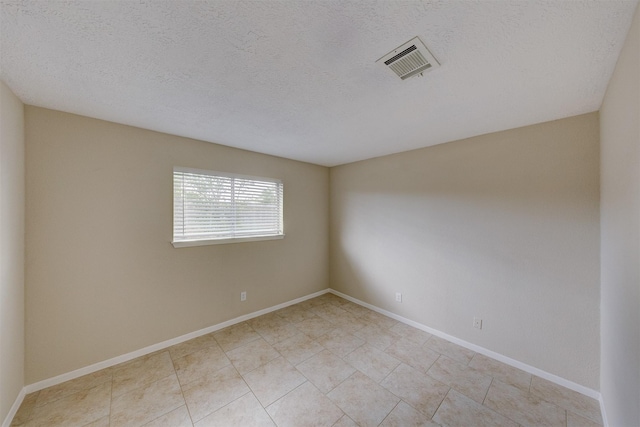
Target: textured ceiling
[(298, 79)]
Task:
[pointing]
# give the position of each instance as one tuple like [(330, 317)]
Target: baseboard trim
[(478, 349), (168, 343), (155, 347), (14, 408), (605, 421)]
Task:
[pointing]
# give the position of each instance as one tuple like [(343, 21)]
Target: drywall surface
[(620, 237), (12, 207), (102, 276), (504, 227)]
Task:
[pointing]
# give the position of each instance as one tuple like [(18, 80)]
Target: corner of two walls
[(104, 280), (504, 227), (620, 236), (12, 205)]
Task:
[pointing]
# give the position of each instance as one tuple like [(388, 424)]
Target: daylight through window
[(214, 207)]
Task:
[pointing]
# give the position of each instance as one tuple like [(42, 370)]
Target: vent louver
[(411, 59)]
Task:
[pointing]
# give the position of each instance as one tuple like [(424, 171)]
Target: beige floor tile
[(235, 336), (315, 327), (380, 320), (466, 380), (245, 411), (505, 373), (304, 406), (345, 421), (450, 349), (409, 332), (102, 422), (417, 389), (378, 337), (268, 320), (278, 333), (523, 408), (180, 350), (326, 370), (330, 312), (298, 348), (176, 418), (458, 410), (202, 362), (356, 309), (372, 362), (139, 406), (295, 314), (141, 371), (76, 409), (568, 399), (25, 409), (332, 299), (404, 415), (250, 356), (273, 328), (272, 381), (574, 420), (313, 302), (66, 388), (413, 354), (340, 342), (310, 303), (211, 392), (363, 400), (349, 322)]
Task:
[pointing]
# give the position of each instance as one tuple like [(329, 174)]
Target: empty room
[(320, 213)]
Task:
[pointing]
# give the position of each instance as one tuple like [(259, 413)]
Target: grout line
[(445, 396), (393, 409), (182, 390), (487, 393)]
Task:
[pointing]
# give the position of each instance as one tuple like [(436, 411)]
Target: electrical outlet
[(477, 323), (243, 296), (398, 297)]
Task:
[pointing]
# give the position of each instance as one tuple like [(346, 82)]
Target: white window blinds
[(214, 205)]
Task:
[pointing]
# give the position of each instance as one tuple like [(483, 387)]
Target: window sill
[(189, 243)]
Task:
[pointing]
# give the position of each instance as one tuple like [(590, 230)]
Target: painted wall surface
[(12, 205), (102, 276), (503, 226), (620, 236)]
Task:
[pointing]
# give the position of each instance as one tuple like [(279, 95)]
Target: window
[(215, 207)]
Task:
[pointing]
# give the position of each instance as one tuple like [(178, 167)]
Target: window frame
[(225, 240)]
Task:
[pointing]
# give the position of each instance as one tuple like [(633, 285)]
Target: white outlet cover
[(477, 323), (398, 297)]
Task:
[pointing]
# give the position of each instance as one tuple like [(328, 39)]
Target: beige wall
[(620, 228), (503, 226), (102, 276), (11, 248)]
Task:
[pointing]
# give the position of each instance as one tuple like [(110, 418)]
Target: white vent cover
[(410, 59)]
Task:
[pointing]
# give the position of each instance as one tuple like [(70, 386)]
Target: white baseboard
[(605, 421), (165, 344), (155, 347), (499, 357), (14, 408)]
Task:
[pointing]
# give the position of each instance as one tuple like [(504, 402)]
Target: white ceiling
[(298, 79)]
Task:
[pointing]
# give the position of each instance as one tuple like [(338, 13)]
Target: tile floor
[(323, 362)]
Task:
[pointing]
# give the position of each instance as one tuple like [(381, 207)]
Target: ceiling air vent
[(411, 59)]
